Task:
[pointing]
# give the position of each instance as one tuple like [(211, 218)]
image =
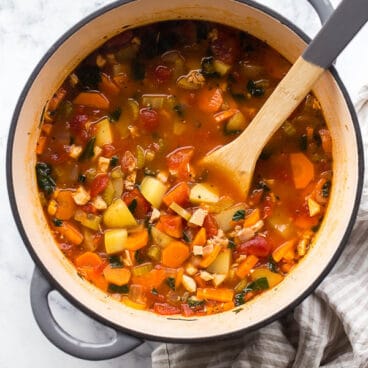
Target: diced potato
[(180, 211), (218, 279), (114, 240), (203, 193), (160, 238), (206, 276), (103, 133), (153, 190), (118, 215), (224, 218), (272, 277), (198, 250), (314, 207), (198, 217), (281, 221), (81, 196), (189, 284), (221, 67), (221, 264), (103, 164)]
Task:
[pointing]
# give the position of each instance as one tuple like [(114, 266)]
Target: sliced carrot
[(246, 266), (178, 194), (92, 99), (65, 205), (137, 240), (179, 277), (41, 144), (302, 170), (220, 294), (117, 276), (175, 254), (305, 222), (200, 238), (108, 86), (206, 261), (88, 259), (152, 279), (171, 225), (282, 249), (224, 115), (128, 302), (210, 100), (252, 218), (70, 232)]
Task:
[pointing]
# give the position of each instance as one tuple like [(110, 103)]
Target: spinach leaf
[(193, 303), (115, 262), (239, 215), (44, 179), (133, 205), (88, 151), (112, 288), (170, 281), (115, 115)]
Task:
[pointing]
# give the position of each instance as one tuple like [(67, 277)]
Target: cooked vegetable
[(115, 240), (302, 169), (203, 193), (44, 179), (153, 190), (118, 215), (116, 276), (175, 254)]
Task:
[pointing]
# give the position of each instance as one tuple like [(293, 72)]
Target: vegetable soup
[(122, 186)]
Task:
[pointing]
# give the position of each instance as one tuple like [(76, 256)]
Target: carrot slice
[(252, 218), (282, 249), (171, 225), (88, 259), (200, 238), (245, 267), (108, 86), (220, 294), (92, 99), (206, 261), (137, 240), (41, 144), (302, 169), (66, 205), (117, 276), (224, 115), (175, 254), (210, 100), (179, 277), (178, 194), (152, 279), (70, 232)]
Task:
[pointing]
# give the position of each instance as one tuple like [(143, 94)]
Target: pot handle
[(323, 8), (40, 289)]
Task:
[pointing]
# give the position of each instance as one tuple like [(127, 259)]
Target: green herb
[(115, 289), (133, 205), (254, 90), (115, 115), (115, 262), (179, 109), (139, 256), (231, 244), (89, 76), (239, 215), (139, 70), (170, 281), (82, 178), (114, 161), (154, 291), (236, 311), (193, 303), (208, 67), (239, 298), (186, 236), (303, 144), (44, 179), (259, 284), (326, 189), (88, 151), (57, 222), (272, 265)]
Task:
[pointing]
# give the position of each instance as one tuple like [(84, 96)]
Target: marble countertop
[(27, 30)]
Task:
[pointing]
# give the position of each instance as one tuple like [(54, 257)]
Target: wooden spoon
[(238, 158)]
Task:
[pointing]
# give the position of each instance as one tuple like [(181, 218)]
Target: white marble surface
[(27, 29)]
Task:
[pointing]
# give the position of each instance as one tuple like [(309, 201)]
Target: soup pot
[(56, 272)]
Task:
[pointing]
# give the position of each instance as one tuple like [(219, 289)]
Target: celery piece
[(142, 269)]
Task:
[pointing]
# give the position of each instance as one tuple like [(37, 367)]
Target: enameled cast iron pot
[(61, 274)]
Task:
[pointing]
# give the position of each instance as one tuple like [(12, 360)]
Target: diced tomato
[(78, 127), (162, 73), (108, 150), (178, 162), (128, 162), (149, 118), (142, 205), (89, 208), (165, 309), (257, 246), (210, 225), (186, 310), (226, 47), (99, 184)]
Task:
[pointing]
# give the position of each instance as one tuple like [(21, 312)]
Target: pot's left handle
[(40, 289)]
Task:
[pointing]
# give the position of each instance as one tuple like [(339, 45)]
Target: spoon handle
[(340, 28)]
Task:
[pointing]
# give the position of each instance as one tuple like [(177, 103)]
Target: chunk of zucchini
[(153, 190), (103, 133), (89, 220), (203, 193), (160, 238), (236, 123), (114, 240), (221, 265), (118, 215)]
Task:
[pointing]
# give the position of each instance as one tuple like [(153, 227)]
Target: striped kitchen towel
[(329, 329)]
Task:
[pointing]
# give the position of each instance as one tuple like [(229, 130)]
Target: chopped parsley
[(193, 303), (303, 143), (88, 151), (82, 178), (115, 115), (154, 291), (115, 262), (231, 244), (133, 205), (44, 179), (57, 222), (179, 109), (326, 189), (170, 281), (239, 215), (256, 285), (114, 161)]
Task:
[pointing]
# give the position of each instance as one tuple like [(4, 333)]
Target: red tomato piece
[(257, 246), (210, 225), (226, 47), (162, 73), (99, 184), (165, 309), (108, 150), (128, 162), (142, 206), (89, 208), (187, 311), (178, 162), (149, 118), (78, 127)]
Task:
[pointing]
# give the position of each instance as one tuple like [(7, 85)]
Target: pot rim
[(90, 312)]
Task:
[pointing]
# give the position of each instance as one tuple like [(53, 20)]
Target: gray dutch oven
[(54, 271)]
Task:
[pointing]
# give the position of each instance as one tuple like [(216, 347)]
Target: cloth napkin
[(329, 329)]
